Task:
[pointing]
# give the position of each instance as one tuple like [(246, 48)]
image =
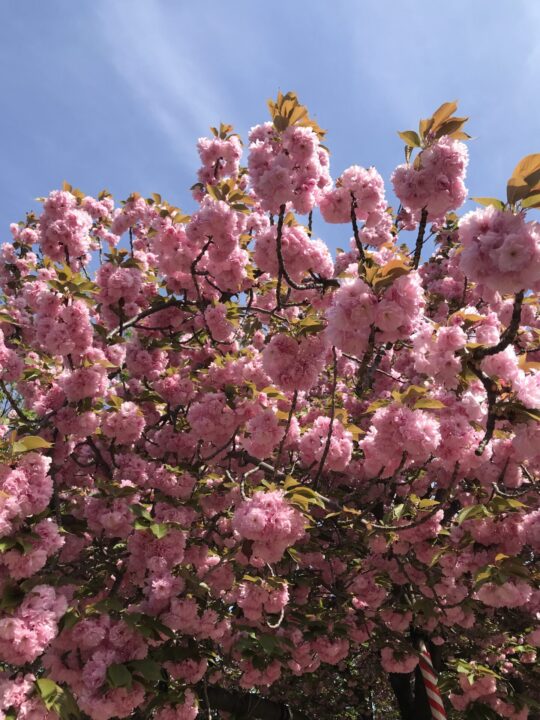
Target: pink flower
[(396, 430), (437, 183), (271, 522), (263, 433), (125, 425), (25, 633), (500, 249), (397, 662), (294, 365), (350, 316), (300, 253), (313, 443)]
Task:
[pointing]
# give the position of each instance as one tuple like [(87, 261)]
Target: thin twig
[(356, 233), (420, 238), (331, 426), (13, 403), (509, 335)]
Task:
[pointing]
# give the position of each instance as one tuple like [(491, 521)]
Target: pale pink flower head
[(271, 522), (500, 249), (294, 365), (350, 316)]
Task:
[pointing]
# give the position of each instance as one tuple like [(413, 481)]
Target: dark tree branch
[(171, 302), (331, 426), (357, 240), (420, 238), (13, 403), (509, 335), (282, 270), (491, 392)]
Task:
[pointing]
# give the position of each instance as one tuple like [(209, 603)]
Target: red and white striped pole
[(430, 681)]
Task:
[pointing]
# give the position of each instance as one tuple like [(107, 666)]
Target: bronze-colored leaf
[(460, 135), (450, 126), (533, 178), (425, 126), (517, 189), (445, 111), (526, 166)]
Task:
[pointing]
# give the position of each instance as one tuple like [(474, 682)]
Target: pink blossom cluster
[(17, 694), (63, 328), (124, 425), (121, 290), (292, 364), (186, 710), (220, 158), (81, 657), (288, 167), (395, 662), (313, 443), (27, 632), (221, 329), (263, 433), (508, 594), (351, 316), (24, 490), (301, 254), (483, 689), (44, 543), (11, 364), (256, 599), (211, 419), (270, 522), (64, 229), (501, 250), (437, 183), (399, 435), (359, 186), (399, 309), (435, 353)]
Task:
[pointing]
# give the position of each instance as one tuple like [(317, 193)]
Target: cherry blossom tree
[(241, 477)]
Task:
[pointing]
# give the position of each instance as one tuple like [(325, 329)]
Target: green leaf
[(376, 405), (12, 596), (472, 511), (489, 201), (159, 530), (148, 626), (410, 138), (48, 691), (533, 201), (500, 504), (148, 669), (118, 675), (7, 544), (428, 404), (69, 619), (427, 503), (30, 442), (269, 643)]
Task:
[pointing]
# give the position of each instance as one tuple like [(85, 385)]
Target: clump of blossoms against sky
[(231, 461)]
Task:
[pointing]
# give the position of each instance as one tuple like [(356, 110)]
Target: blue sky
[(114, 93)]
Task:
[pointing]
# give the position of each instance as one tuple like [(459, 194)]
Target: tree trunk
[(246, 706)]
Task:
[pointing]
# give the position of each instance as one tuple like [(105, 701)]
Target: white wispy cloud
[(157, 52)]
